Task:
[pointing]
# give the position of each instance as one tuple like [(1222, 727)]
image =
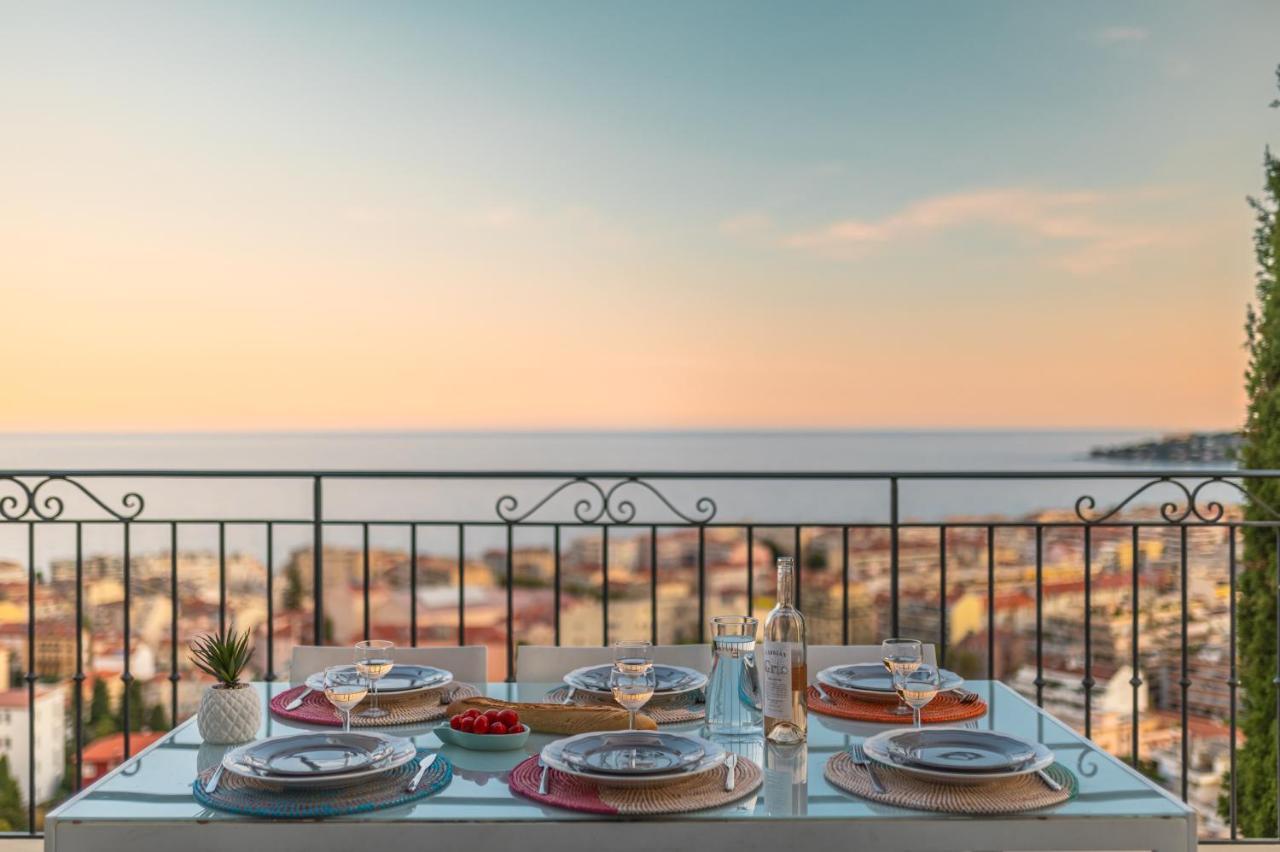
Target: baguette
[(549, 718)]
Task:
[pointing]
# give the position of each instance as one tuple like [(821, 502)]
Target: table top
[(155, 785)]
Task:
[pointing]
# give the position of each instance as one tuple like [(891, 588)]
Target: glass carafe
[(733, 692)]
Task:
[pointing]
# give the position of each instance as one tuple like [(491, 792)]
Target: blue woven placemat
[(251, 797)]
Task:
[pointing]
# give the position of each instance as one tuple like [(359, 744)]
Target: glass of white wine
[(632, 687), (345, 688), (917, 688), (901, 655), (373, 661), (632, 655)]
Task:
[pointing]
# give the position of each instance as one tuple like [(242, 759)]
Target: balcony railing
[(984, 563)]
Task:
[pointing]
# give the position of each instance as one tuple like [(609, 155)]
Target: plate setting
[(672, 680), (957, 755), (630, 758), (403, 679), (319, 759), (873, 682)]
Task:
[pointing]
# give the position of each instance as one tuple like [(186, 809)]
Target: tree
[(136, 707), (156, 719), (292, 587), (1261, 451), (13, 814), (101, 720)]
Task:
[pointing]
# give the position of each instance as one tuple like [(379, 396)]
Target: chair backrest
[(549, 663), (819, 657), (468, 664)]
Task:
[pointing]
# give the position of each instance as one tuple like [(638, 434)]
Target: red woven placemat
[(945, 708), (695, 793)]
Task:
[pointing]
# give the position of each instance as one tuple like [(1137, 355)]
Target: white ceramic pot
[(229, 714)]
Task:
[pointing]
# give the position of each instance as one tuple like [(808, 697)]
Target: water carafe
[(733, 693)]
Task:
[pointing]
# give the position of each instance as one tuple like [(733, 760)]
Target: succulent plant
[(223, 655)]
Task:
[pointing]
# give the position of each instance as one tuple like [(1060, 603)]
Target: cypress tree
[(13, 814), (1256, 793)]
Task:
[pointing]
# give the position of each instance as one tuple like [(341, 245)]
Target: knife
[(422, 770), (297, 702), (212, 783)]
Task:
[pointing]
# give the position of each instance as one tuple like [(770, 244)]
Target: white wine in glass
[(373, 661), (917, 688), (901, 656), (344, 688)]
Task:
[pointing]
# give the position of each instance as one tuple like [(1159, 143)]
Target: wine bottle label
[(777, 678)]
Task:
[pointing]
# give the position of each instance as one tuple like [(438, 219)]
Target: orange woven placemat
[(944, 708)]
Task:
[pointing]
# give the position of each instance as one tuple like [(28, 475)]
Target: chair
[(549, 663), (820, 657), (469, 664)]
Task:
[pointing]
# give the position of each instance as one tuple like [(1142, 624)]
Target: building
[(51, 739), (106, 753)]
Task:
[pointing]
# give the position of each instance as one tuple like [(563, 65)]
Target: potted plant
[(229, 709)]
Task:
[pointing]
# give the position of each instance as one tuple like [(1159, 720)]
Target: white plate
[(696, 680), (714, 756), (316, 681), (880, 749), (878, 683), (403, 752)]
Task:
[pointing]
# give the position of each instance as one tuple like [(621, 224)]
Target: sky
[(319, 215)]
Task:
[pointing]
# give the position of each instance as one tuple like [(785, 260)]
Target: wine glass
[(632, 686), (345, 688), (632, 655), (373, 661), (901, 655), (917, 688)]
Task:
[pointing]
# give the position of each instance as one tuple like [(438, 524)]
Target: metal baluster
[(1135, 680), (604, 583), (796, 549), (751, 570), (364, 570), (702, 584), (317, 557), (1184, 682), (1088, 681), (556, 545), (222, 577), (271, 604), (942, 596), (79, 677), (173, 625), (893, 556), (1233, 682), (31, 676), (462, 583), (511, 616), (991, 602), (844, 586), (126, 676), (413, 585), (1039, 616), (653, 585)]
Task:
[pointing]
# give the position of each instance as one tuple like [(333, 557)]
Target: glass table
[(146, 803)]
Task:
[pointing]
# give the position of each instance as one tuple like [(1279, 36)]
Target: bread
[(557, 718)]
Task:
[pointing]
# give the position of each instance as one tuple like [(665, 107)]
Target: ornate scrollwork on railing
[(1174, 511), (31, 505), (604, 506)]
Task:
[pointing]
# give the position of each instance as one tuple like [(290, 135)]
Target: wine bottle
[(785, 675)]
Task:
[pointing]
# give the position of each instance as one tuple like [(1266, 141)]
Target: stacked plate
[(673, 681), (401, 680), (319, 760), (957, 755), (633, 758), (871, 681)]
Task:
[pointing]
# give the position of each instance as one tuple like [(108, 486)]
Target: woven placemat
[(256, 798), (945, 708), (664, 712), (1024, 793), (699, 792), (409, 710)]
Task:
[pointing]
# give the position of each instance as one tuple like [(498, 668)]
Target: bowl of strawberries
[(492, 730)]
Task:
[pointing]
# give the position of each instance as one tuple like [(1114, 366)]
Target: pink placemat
[(429, 706), (698, 792)]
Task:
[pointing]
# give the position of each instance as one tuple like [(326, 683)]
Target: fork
[(544, 782), (730, 778), (966, 696), (860, 759)]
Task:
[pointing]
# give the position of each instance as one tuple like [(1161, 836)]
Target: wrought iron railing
[(652, 503)]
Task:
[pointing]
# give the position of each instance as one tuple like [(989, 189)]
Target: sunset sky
[(605, 215)]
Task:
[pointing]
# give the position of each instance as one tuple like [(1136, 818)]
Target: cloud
[(1120, 35), (1076, 220), (750, 222)]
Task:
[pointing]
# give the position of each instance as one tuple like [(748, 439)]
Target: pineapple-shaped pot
[(230, 710)]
